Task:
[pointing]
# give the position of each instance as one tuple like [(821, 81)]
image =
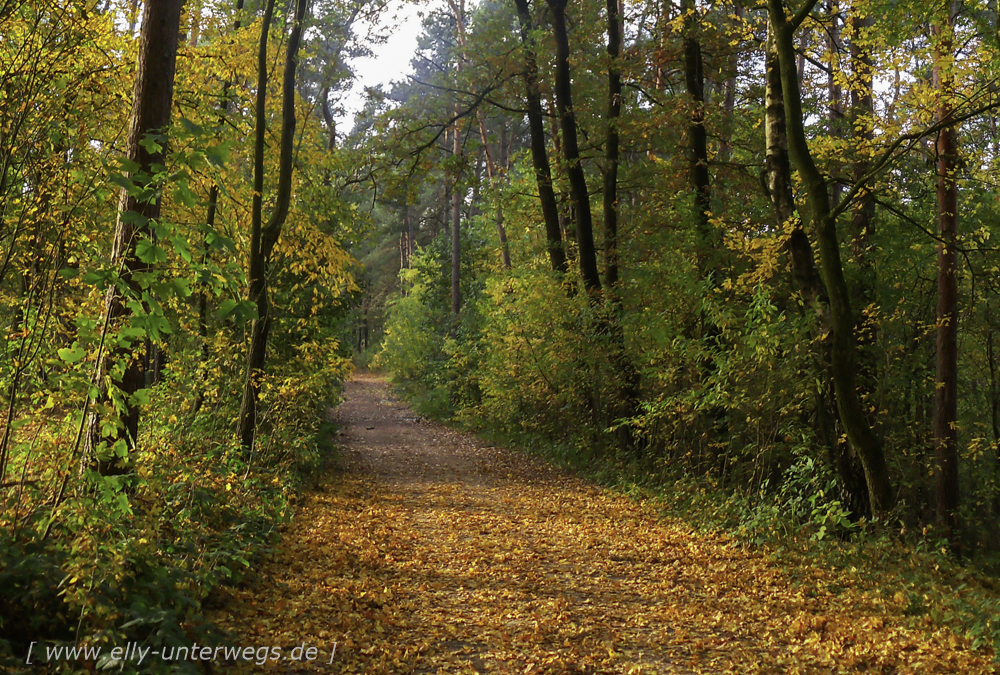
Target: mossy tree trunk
[(843, 348)]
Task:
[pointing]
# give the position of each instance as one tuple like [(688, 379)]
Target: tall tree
[(946, 359), (729, 92), (807, 278), (843, 343), (834, 92), (862, 114), (611, 149), (456, 224), (779, 184), (492, 174), (457, 195), (263, 238), (694, 78), (145, 148), (210, 216), (571, 151), (539, 154)]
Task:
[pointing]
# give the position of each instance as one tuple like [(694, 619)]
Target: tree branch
[(803, 12), (890, 155)]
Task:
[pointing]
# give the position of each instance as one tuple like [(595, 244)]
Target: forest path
[(431, 552)]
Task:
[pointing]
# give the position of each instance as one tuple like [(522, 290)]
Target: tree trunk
[(492, 175), (456, 232), (805, 37), (698, 139), (571, 152), (611, 150), (564, 202), (706, 245), (406, 245), (263, 238), (835, 94), (779, 184), (807, 280), (994, 393), (458, 10), (863, 211), (626, 392), (501, 230), (194, 23), (946, 361), (539, 154), (133, 16), (843, 347), (331, 124), (151, 101), (410, 237), (402, 263)]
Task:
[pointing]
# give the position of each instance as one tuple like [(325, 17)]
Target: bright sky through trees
[(390, 61)]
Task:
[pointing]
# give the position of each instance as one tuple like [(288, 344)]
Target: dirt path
[(432, 552)]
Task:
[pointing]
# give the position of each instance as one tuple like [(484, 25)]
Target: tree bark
[(410, 236), (611, 150), (778, 171), (458, 9), (133, 16), (501, 230), (807, 279), (946, 360), (835, 94), (571, 152), (331, 124), (843, 347), (698, 140), (994, 393), (263, 238), (456, 231), (151, 100), (194, 22), (706, 241), (493, 176), (404, 241), (539, 154), (863, 210), (626, 394)]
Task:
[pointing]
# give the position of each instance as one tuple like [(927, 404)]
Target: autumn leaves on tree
[(656, 144), (127, 255), (695, 101)]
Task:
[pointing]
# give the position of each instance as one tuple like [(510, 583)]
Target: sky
[(391, 60)]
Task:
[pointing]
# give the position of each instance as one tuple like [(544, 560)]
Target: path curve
[(432, 552)]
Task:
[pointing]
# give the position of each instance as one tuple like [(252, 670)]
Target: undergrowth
[(134, 559)]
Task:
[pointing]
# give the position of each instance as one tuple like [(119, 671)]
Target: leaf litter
[(434, 553)]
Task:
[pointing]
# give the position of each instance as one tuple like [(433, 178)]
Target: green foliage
[(92, 559), (426, 348), (135, 558)]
